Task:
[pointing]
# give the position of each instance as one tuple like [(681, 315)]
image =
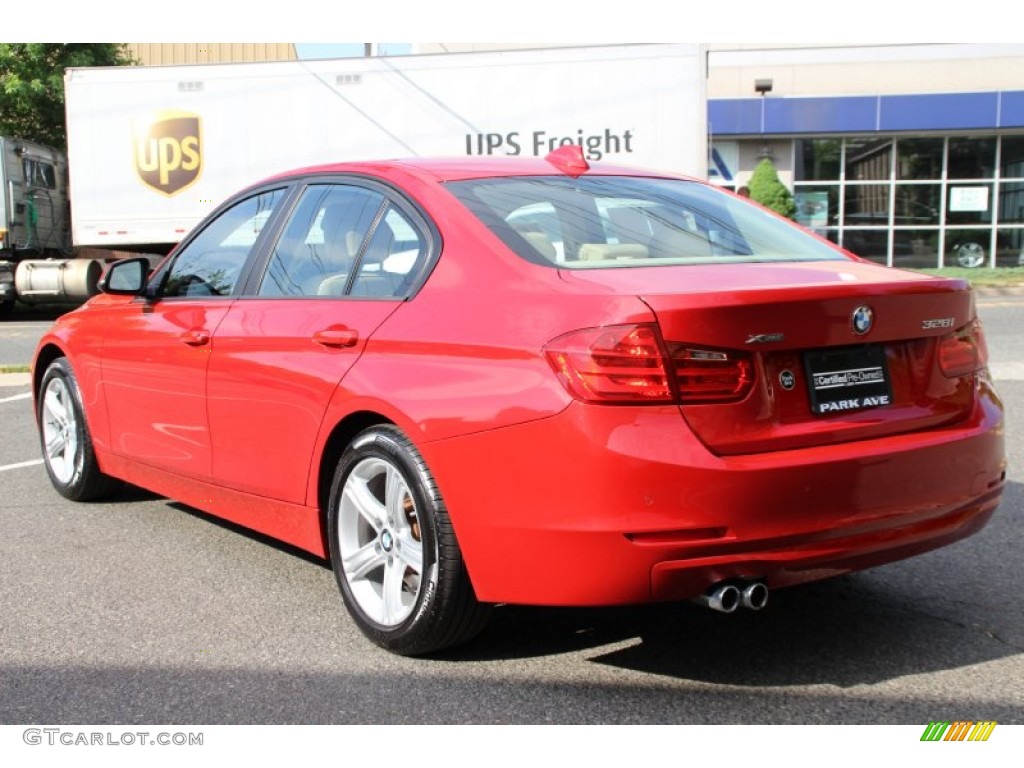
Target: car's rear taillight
[(963, 352), (711, 375), (614, 364), (631, 364)]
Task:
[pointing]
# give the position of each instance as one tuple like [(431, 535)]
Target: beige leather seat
[(612, 251), (542, 243), (333, 285), (340, 251)]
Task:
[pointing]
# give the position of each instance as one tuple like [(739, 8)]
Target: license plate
[(847, 379)]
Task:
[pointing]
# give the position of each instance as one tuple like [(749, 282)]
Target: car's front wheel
[(394, 551), (64, 435)]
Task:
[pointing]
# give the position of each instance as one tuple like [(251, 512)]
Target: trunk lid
[(819, 353)]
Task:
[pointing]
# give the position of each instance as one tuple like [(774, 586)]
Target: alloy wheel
[(60, 431), (380, 541)]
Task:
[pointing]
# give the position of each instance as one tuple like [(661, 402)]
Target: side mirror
[(126, 277)]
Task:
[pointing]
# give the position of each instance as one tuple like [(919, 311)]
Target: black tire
[(64, 437), (398, 565)]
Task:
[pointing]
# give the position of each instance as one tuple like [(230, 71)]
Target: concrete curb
[(15, 379), (987, 292)]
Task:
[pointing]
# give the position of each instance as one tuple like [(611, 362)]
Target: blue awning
[(781, 115)]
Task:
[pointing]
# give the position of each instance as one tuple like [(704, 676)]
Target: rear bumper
[(606, 505)]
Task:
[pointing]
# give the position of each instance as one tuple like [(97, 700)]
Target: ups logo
[(168, 152)]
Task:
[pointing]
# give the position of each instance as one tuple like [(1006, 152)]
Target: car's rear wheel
[(394, 551), (67, 447)]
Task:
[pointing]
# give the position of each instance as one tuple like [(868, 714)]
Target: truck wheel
[(393, 549), (67, 447)]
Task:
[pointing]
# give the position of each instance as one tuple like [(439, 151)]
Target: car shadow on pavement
[(251, 534), (844, 632), (947, 609), (889, 622)]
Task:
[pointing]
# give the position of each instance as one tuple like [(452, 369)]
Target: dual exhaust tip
[(726, 598)]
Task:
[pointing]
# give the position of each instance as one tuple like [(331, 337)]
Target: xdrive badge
[(765, 338)]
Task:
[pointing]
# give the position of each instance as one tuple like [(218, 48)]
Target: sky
[(524, 21), (347, 50)]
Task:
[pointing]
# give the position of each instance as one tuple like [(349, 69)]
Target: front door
[(155, 361)]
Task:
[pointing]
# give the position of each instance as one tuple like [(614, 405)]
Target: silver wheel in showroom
[(970, 255)]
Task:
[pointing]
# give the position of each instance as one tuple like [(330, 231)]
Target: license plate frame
[(846, 379)]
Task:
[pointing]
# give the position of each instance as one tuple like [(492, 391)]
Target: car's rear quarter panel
[(583, 508)]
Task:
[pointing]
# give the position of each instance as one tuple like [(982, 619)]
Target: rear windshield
[(613, 221)]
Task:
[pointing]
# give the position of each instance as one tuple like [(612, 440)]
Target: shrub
[(766, 189)]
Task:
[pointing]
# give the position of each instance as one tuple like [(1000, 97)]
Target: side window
[(318, 251), (211, 263), (39, 173), (392, 260)]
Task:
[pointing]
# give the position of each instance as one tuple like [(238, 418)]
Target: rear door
[(347, 258)]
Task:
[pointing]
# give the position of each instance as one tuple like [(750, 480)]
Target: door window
[(321, 245), (39, 173), (392, 259), (345, 240), (210, 264)]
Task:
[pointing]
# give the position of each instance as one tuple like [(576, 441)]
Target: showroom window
[(819, 159), (917, 201)]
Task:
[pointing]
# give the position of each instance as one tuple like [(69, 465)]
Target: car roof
[(438, 169)]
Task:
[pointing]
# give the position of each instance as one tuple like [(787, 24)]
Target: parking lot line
[(1007, 371), (21, 465), (22, 396)]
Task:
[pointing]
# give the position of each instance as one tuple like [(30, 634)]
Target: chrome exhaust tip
[(754, 596), (724, 598)]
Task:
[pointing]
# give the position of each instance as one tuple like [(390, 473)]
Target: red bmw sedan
[(530, 381)]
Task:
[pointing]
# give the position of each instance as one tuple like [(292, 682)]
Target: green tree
[(766, 189), (32, 85)]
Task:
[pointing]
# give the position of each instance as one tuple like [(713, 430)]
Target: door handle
[(336, 337), (196, 337)]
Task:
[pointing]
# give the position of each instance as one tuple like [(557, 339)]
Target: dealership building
[(912, 155)]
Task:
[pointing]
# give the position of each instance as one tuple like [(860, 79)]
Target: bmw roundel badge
[(862, 320)]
